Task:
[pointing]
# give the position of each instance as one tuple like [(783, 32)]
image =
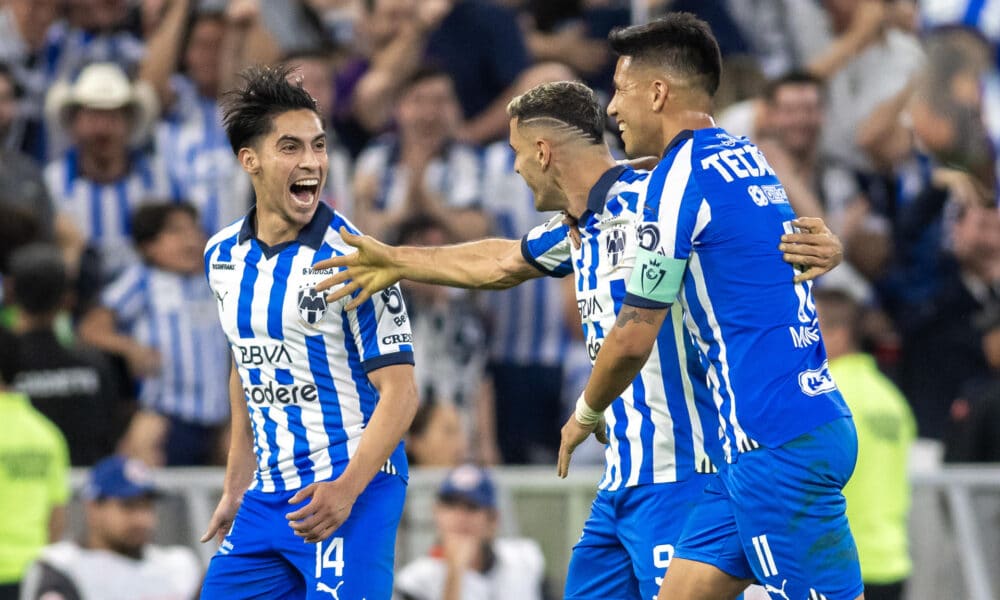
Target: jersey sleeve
[(125, 295), (547, 248), (674, 215), (380, 331)]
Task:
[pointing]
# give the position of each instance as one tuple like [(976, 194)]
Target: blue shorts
[(263, 558), (629, 539), (777, 515)]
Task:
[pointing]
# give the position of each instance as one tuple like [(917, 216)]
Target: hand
[(222, 519), (330, 503), (574, 230), (573, 434), (142, 361), (430, 13), (815, 247), (242, 13), (869, 18), (459, 549), (371, 269)]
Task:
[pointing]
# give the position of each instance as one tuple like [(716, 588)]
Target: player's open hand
[(815, 249), (330, 503), (222, 519), (366, 272), (573, 434)]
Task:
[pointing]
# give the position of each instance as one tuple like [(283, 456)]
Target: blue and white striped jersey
[(542, 339), (713, 215), (174, 314), (201, 165), (303, 363), (454, 175), (103, 211), (983, 15), (655, 430)]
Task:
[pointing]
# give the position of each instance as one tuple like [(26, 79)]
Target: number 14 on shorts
[(330, 555)]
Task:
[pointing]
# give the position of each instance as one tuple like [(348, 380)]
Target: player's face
[(631, 106), (288, 167), (797, 117), (123, 526), (528, 159), (179, 246)]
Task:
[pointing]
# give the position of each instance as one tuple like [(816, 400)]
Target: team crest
[(312, 305), (615, 246)]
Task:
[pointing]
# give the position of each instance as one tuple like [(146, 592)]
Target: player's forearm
[(485, 264), (622, 354), (240, 464), (160, 59), (392, 417)]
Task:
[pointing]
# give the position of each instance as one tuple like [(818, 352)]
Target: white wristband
[(585, 415)]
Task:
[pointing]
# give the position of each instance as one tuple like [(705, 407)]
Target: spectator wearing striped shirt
[(421, 168), (159, 317), (103, 178)]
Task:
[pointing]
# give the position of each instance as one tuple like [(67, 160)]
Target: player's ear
[(543, 153), (248, 159), (658, 90)]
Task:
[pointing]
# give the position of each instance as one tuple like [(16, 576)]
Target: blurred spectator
[(69, 385), (100, 181), (317, 72), (421, 169), (183, 64), (25, 46), (974, 417), (878, 494), (34, 477), (20, 178), (437, 437), (872, 58), (115, 559), (469, 561), (160, 317), (526, 355), (452, 353)]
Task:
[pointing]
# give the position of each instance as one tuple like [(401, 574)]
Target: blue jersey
[(543, 338), (713, 215), (173, 314), (655, 431), (303, 363)]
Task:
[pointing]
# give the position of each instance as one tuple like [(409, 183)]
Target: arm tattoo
[(630, 315)]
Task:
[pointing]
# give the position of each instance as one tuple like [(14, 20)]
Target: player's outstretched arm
[(815, 248), (620, 358), (330, 502), (484, 264), (239, 466)]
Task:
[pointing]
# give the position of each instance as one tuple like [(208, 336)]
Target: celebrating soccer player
[(321, 395), (660, 453)]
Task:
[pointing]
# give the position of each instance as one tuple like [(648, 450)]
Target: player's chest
[(602, 265)]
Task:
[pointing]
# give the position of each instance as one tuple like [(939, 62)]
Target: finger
[(802, 260), (809, 275), (564, 456), (350, 238), (332, 280), (343, 292), (601, 431), (360, 299), (813, 238), (213, 528), (302, 494), (305, 524), (813, 224), (336, 262), (807, 249)]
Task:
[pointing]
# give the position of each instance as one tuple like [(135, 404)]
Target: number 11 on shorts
[(331, 557)]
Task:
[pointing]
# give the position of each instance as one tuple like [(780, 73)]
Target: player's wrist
[(585, 415)]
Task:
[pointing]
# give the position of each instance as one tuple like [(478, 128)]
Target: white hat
[(104, 86)]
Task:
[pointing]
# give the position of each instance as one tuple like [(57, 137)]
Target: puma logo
[(222, 300), (770, 589), (322, 587)]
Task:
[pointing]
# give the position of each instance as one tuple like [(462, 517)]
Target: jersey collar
[(680, 138), (599, 193), (311, 235)]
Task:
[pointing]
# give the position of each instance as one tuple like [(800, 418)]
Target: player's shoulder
[(332, 235), (228, 232)]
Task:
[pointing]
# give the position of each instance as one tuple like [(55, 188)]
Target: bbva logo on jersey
[(312, 305)]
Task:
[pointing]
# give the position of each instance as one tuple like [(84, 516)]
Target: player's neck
[(581, 174), (273, 229), (682, 119)]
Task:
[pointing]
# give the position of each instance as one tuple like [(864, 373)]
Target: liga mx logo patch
[(312, 305)]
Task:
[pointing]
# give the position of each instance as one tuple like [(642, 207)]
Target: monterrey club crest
[(312, 305), (615, 245)]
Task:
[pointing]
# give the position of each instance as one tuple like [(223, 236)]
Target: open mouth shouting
[(304, 192)]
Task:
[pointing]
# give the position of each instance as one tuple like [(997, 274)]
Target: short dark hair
[(422, 74), (150, 219), (679, 42), (40, 278), (839, 309), (249, 111), (570, 103), (420, 223), (791, 78), (18, 227)]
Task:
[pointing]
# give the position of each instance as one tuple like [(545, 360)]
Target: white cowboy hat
[(104, 86)]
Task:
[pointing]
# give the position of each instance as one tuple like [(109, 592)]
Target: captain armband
[(656, 278)]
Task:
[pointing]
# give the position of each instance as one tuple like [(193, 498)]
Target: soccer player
[(321, 395), (659, 457), (775, 512)]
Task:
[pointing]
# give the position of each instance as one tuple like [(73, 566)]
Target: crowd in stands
[(881, 116)]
